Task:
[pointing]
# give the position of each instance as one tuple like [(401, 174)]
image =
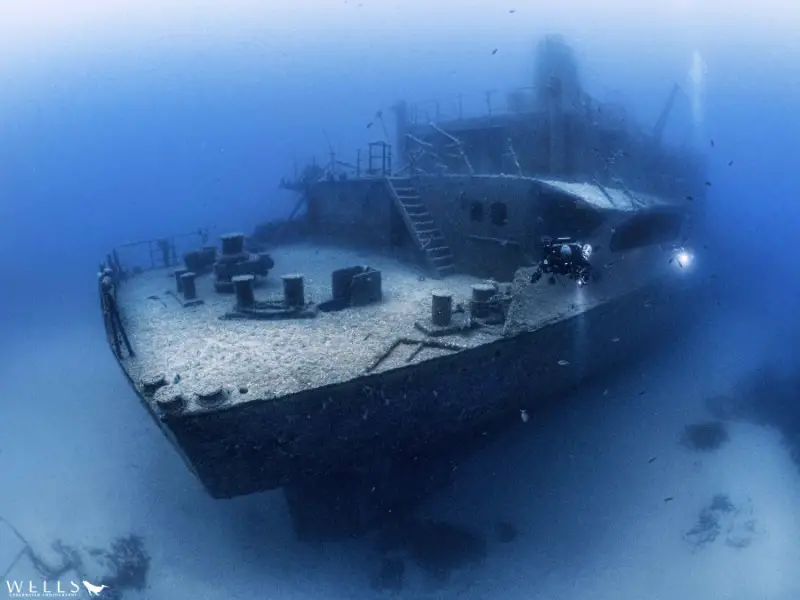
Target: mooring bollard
[(211, 395), (441, 308), (243, 286), (169, 400), (152, 382), (189, 288), (293, 290), (232, 244), (178, 274), (481, 294), (209, 254)]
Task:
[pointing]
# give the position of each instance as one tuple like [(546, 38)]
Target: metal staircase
[(427, 236)]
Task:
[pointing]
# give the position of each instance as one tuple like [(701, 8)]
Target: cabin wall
[(488, 222), (531, 142), (358, 211)]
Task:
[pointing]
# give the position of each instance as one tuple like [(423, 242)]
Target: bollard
[(441, 308), (366, 287), (481, 294), (192, 262), (232, 244), (178, 274), (211, 395), (169, 400), (293, 292), (152, 382), (209, 254), (243, 285), (342, 283), (189, 288)]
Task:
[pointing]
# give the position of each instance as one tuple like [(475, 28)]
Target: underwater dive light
[(683, 258)]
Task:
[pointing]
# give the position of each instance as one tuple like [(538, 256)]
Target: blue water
[(105, 141)]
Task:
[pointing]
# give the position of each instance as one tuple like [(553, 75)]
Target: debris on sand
[(124, 566), (723, 518), (705, 437)]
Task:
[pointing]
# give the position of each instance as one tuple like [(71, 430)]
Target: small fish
[(608, 264), (652, 460), (494, 51), (563, 363), (712, 143), (605, 392), (648, 303), (512, 11), (669, 499), (615, 339), (369, 124), (708, 183), (690, 198), (643, 392), (730, 163), (523, 414)]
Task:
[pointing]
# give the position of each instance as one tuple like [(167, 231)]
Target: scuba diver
[(563, 256)]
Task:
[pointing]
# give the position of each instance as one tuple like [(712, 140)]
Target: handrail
[(488, 103), (464, 106), (156, 253)]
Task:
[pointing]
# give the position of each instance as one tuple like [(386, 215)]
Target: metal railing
[(492, 103), (159, 253), (466, 106), (377, 163)]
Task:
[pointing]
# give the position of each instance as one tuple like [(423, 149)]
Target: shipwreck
[(449, 280)]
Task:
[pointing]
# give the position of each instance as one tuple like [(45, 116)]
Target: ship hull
[(357, 425)]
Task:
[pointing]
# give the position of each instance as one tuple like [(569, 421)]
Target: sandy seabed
[(584, 486)]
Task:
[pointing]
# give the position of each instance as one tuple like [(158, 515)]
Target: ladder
[(427, 236)]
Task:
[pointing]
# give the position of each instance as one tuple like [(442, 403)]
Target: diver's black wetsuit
[(564, 259)]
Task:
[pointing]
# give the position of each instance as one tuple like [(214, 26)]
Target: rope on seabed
[(25, 548), (37, 561)]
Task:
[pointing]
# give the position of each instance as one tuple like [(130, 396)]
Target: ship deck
[(193, 348), (275, 358)]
